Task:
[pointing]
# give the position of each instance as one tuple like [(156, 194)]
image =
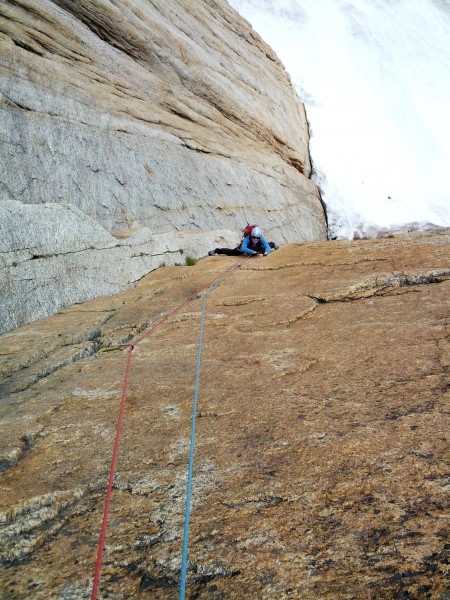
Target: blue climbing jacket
[(260, 247)]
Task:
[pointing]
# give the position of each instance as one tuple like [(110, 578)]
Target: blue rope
[(187, 511), (191, 462)]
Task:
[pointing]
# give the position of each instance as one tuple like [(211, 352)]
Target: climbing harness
[(202, 293)]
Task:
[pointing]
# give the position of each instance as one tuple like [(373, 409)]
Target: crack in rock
[(10, 458), (257, 502), (382, 286), (24, 379)]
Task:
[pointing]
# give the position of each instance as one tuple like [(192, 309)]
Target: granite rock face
[(321, 460), (169, 115), (56, 270)]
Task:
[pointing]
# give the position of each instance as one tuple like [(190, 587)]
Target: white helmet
[(256, 232)]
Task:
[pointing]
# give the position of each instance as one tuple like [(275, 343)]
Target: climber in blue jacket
[(255, 244)]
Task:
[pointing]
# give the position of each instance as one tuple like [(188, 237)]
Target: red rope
[(101, 544), (152, 328), (131, 347)]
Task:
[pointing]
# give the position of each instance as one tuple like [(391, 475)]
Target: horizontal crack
[(383, 286), (258, 502)]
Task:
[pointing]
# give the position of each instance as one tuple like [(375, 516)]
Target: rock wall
[(168, 115), (56, 269), (330, 479)]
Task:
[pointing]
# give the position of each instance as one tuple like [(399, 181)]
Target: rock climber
[(253, 244)]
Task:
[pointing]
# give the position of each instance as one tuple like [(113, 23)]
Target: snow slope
[(375, 79)]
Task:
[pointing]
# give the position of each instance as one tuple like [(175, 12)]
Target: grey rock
[(175, 117), (53, 256)]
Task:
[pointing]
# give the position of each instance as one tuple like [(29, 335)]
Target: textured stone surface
[(321, 462), (170, 115), (69, 258)]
